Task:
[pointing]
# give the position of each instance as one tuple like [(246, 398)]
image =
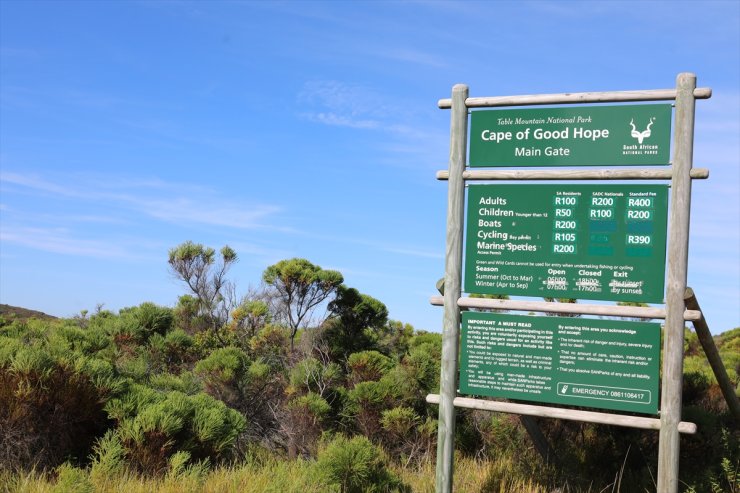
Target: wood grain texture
[(566, 308), (678, 251), (561, 413), (570, 174), (452, 289), (576, 98)]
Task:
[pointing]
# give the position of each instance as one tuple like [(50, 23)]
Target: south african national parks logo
[(641, 148), (640, 136)]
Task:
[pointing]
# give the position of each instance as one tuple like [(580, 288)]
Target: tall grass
[(275, 475), (474, 476)]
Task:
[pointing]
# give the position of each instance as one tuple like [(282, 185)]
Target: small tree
[(359, 317), (300, 287), (249, 317), (196, 266), (394, 338)]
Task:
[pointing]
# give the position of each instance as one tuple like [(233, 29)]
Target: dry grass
[(274, 475), (473, 476)]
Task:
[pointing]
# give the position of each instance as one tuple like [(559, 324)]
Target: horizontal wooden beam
[(567, 308), (571, 174), (559, 413), (576, 98)]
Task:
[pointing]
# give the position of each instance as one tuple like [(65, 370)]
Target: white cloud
[(340, 120), (183, 211), (174, 203), (416, 57), (349, 100), (59, 240), (415, 253), (34, 182), (335, 103)]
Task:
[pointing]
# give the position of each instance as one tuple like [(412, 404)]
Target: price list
[(581, 241)]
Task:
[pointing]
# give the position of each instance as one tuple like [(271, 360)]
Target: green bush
[(355, 465), (367, 366), (149, 318), (223, 366), (159, 426), (399, 422), (406, 436), (108, 459), (52, 404), (304, 422), (136, 366), (311, 375), (312, 405), (366, 402), (225, 375), (423, 364), (186, 382), (271, 344), (72, 480)]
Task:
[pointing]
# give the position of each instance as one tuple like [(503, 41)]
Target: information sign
[(606, 364), (603, 242), (573, 136)]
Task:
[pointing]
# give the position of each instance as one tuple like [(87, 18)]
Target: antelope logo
[(640, 136)]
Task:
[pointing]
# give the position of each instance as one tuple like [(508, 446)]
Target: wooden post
[(678, 250), (710, 350), (539, 440), (530, 424), (452, 289)]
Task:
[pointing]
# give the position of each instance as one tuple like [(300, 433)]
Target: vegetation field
[(303, 385)]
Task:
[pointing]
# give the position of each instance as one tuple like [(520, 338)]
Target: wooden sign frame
[(680, 174)]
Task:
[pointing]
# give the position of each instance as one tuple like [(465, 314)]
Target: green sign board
[(602, 242), (606, 364), (574, 136)]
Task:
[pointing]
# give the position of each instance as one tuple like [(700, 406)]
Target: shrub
[(271, 344), (137, 367), (153, 425), (365, 403), (249, 318), (72, 480), (161, 425), (399, 422), (150, 318), (136, 325), (355, 465), (423, 366), (303, 423), (394, 338), (223, 366), (53, 409), (367, 366), (186, 382), (311, 375), (108, 460), (187, 315), (173, 352)]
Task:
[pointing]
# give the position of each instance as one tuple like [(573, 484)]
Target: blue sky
[(309, 129)]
